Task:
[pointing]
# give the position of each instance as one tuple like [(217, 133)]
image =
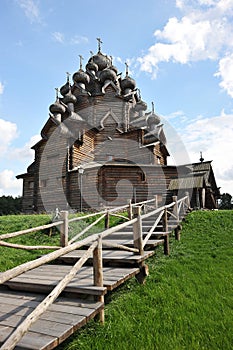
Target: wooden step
[(44, 278), (61, 320), (151, 243), (115, 257)]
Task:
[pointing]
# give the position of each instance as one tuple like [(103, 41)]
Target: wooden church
[(101, 147)]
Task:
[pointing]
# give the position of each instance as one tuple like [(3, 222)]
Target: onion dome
[(113, 68), (65, 89), (140, 106), (81, 77), (101, 60), (69, 98), (107, 74), (153, 119), (57, 107), (128, 83), (92, 66)]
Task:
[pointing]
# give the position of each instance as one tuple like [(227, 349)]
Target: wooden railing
[(94, 242)]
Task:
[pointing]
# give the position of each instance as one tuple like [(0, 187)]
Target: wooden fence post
[(137, 231), (98, 273), (107, 220), (64, 229), (130, 209), (166, 236), (176, 213)]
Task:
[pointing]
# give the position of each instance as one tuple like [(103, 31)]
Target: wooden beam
[(98, 272), (137, 231), (27, 247), (64, 230)]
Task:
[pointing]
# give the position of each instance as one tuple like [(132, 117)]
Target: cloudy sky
[(180, 52)]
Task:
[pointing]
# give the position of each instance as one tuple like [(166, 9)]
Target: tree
[(226, 201), (10, 205)]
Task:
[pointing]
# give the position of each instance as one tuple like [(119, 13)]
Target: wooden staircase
[(123, 255)]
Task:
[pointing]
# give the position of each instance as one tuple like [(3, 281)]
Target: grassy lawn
[(186, 303)]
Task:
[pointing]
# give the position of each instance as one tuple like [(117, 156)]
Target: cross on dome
[(57, 92), (99, 44), (81, 59), (68, 76), (127, 69), (153, 107)]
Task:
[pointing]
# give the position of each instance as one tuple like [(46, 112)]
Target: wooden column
[(166, 237), (130, 209), (175, 211), (137, 231), (64, 230), (98, 273), (107, 220)]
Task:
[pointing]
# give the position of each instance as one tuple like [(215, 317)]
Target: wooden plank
[(55, 325), (120, 256), (31, 341)]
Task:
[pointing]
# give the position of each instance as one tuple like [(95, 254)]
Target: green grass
[(10, 257), (186, 303)]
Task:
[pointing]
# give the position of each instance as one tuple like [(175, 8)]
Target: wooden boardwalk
[(123, 256)]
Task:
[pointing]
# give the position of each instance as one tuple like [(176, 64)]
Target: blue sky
[(180, 54)]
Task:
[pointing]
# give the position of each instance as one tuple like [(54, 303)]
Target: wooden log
[(177, 232), (120, 216), (98, 273), (30, 230), (27, 247), (43, 306), (144, 272), (107, 220), (130, 210), (175, 210), (120, 246), (64, 230), (165, 220), (166, 237), (166, 245), (87, 216), (152, 229), (137, 231), (86, 229)]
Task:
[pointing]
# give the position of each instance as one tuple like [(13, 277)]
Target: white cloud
[(75, 40), (59, 37), (214, 137), (31, 10), (25, 153), (226, 73), (9, 185), (1, 88), (204, 32), (9, 130)]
